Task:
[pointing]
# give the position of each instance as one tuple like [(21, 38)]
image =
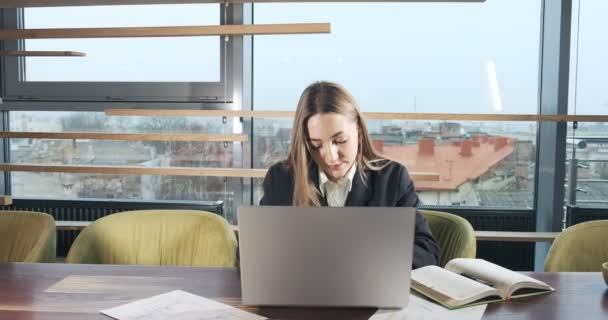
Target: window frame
[(16, 89)]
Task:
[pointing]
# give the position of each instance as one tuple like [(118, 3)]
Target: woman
[(332, 163)]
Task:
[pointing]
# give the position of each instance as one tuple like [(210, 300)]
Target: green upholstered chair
[(27, 237), (454, 234), (581, 247), (157, 237)]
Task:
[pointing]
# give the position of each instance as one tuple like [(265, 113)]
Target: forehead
[(326, 125)]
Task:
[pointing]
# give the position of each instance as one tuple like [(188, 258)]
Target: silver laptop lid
[(326, 256)]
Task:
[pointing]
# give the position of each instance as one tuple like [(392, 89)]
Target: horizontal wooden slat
[(368, 115), (505, 236), (424, 176), (61, 3), (586, 118), (454, 116), (516, 236), (127, 136), (182, 31), (138, 170), (485, 117), (71, 225), (165, 171), (198, 113), (41, 54), (6, 200)]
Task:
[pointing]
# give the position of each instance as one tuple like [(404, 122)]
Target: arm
[(426, 250), (278, 186), (267, 198)]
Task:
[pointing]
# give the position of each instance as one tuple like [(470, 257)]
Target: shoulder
[(278, 185), (391, 185), (279, 169), (390, 168)]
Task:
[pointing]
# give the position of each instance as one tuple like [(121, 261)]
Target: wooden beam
[(62, 3), (71, 225), (6, 200), (457, 116), (424, 176), (485, 117), (503, 236), (41, 54), (198, 113), (164, 171), (515, 236), (138, 170), (367, 115), (145, 32), (127, 136)]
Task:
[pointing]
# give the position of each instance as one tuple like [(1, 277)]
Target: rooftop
[(456, 162)]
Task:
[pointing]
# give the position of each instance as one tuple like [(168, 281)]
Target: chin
[(338, 175)]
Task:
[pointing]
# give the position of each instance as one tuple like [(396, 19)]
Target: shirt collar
[(347, 179)]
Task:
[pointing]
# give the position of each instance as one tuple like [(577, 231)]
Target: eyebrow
[(335, 135)]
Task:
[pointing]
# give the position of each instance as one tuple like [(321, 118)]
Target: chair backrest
[(581, 247), (27, 236), (157, 237), (454, 234)]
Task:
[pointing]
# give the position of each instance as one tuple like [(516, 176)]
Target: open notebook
[(467, 282)]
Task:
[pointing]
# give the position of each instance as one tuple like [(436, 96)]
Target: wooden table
[(62, 291)]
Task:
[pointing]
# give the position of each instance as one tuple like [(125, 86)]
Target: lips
[(335, 167)]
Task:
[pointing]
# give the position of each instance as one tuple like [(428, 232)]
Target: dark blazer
[(389, 187)]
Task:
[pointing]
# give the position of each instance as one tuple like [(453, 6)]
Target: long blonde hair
[(324, 97)]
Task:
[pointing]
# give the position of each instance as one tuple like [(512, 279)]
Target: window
[(123, 153), (125, 69), (588, 144), (399, 57)]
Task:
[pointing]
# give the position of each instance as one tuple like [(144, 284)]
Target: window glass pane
[(123, 153), (404, 57), (479, 163), (588, 144), (175, 59)]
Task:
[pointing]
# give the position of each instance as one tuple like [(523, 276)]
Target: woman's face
[(333, 142)]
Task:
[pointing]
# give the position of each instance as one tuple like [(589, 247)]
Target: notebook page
[(502, 278), (178, 305), (421, 309)]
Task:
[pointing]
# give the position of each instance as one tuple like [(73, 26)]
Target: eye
[(315, 147), (340, 141)]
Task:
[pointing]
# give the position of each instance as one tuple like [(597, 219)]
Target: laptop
[(326, 256)]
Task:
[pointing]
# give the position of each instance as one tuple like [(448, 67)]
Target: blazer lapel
[(360, 194), (314, 177)]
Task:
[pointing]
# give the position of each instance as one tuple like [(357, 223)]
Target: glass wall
[(404, 57), (479, 58), (588, 143), (183, 59), (86, 152), (158, 69)]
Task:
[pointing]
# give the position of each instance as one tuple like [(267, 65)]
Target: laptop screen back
[(326, 256)]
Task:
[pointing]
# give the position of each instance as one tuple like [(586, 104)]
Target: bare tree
[(83, 122), (160, 124)]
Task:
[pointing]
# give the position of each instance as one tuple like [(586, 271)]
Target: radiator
[(581, 214), (513, 255)]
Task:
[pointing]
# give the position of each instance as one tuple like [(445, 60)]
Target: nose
[(331, 154)]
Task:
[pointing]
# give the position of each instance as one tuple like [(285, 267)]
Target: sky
[(393, 57)]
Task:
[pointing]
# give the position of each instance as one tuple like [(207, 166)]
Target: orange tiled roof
[(463, 168)]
